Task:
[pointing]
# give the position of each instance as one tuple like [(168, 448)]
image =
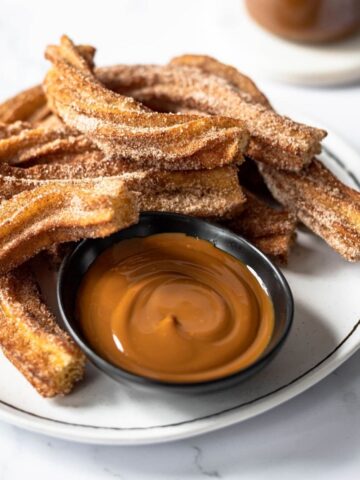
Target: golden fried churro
[(321, 202), (124, 128), (25, 145), (31, 104), (274, 139), (31, 339), (205, 193), (54, 213), (9, 130), (23, 106), (272, 231), (212, 66), (211, 88)]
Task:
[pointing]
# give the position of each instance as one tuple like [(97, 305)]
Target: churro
[(31, 339), (24, 106), (324, 204), (51, 213), (204, 193), (212, 66), (124, 128), (83, 153), (195, 84), (31, 105), (271, 230), (12, 129), (274, 139), (22, 144)]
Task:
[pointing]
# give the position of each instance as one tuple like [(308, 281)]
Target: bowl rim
[(113, 370)]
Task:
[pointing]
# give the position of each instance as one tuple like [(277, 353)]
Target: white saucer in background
[(282, 60)]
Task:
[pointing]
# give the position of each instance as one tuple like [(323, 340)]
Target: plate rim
[(189, 428)]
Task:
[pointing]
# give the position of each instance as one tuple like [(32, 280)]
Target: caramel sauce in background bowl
[(313, 21), (175, 301)]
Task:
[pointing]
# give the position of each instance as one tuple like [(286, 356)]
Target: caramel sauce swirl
[(174, 308)]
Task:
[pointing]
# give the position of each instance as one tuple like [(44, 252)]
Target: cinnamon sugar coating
[(274, 139), (271, 230), (324, 204), (125, 128), (31, 339), (197, 84), (30, 105), (212, 66), (20, 143), (51, 213), (23, 106), (203, 193)]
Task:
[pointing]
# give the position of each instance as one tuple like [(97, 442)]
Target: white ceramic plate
[(325, 333)]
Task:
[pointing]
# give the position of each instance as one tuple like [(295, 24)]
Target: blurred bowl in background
[(311, 21)]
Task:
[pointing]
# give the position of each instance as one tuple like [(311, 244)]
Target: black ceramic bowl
[(77, 263)]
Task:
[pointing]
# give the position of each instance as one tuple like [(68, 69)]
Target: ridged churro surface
[(274, 139), (122, 127), (55, 213), (271, 230), (21, 144), (327, 206), (204, 193), (31, 339)]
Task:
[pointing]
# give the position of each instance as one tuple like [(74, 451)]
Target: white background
[(316, 435)]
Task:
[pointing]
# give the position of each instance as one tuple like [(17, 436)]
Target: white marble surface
[(316, 435)]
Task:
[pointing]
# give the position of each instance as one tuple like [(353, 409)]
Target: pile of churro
[(87, 150)]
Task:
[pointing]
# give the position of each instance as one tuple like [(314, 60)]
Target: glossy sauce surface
[(174, 308)]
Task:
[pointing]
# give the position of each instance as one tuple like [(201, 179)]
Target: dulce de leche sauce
[(174, 308)]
